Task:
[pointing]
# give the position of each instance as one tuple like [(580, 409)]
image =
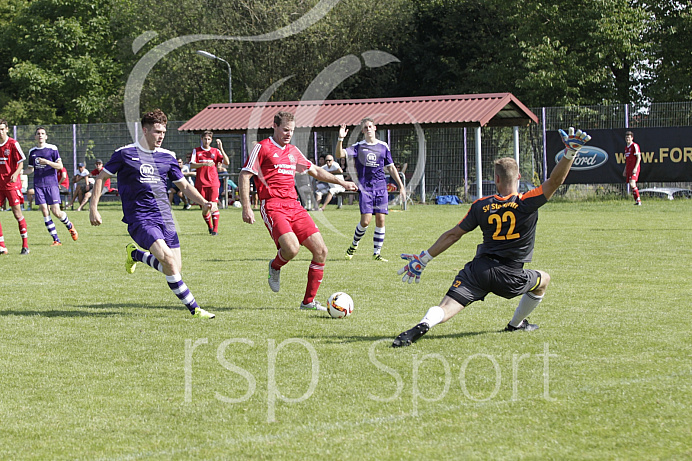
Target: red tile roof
[(493, 109)]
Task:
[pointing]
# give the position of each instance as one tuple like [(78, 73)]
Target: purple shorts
[(146, 233), (374, 201), (48, 195)]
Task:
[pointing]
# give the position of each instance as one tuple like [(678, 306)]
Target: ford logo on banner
[(589, 158)]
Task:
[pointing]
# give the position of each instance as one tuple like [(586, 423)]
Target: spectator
[(81, 185), (327, 188), (175, 195)]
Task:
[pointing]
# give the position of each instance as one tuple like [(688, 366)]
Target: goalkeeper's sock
[(279, 261), (147, 258), (66, 221), (434, 316), (526, 305), (315, 274), (378, 239), (358, 234), (176, 284)]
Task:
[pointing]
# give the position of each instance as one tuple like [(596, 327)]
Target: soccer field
[(100, 364)]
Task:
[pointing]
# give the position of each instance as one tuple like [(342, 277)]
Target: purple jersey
[(370, 162), (44, 175), (142, 177)]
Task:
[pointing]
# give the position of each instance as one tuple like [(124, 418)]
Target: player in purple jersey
[(44, 160), (372, 157), (508, 222), (142, 169)]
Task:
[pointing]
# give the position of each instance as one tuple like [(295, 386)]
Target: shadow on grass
[(58, 313), (356, 339)]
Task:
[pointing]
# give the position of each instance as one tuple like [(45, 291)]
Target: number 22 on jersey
[(507, 218)]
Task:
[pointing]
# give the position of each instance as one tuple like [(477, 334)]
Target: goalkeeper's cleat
[(130, 264), (202, 314), (409, 337), (638, 203), (3, 250), (56, 243), (378, 257), (350, 252), (524, 325), (73, 233), (312, 306), (274, 278), (25, 251)]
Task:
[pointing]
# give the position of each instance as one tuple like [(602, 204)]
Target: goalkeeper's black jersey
[(508, 224)]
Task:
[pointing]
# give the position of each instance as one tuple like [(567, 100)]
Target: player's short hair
[(155, 116), (507, 169), (207, 132), (283, 117), (366, 120), (40, 128), (629, 133), (4, 122)]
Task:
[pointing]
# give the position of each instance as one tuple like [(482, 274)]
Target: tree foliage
[(67, 61)]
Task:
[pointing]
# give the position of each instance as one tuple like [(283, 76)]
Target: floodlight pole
[(206, 54)]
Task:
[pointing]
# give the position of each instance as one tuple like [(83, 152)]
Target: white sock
[(434, 316), (526, 305)]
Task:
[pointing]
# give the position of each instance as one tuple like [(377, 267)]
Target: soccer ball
[(339, 305)]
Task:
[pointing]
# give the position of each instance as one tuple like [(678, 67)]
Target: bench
[(340, 197), (669, 192)]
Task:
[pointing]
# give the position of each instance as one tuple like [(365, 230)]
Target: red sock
[(279, 261), (635, 192), (207, 219), (22, 232), (315, 274), (215, 221)]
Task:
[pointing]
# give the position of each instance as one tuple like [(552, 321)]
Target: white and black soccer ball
[(339, 305)]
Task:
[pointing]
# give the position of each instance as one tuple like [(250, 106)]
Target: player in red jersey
[(633, 158), (275, 162), (205, 161), (11, 165), (508, 222)]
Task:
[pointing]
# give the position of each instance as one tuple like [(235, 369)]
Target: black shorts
[(486, 274)]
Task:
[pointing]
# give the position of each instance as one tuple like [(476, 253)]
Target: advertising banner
[(666, 155)]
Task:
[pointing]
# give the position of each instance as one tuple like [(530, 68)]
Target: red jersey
[(276, 167), (11, 155), (631, 153), (207, 176), (63, 182), (106, 182)]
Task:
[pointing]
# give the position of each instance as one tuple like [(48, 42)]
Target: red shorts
[(210, 194), (632, 175), (284, 216), (14, 197)]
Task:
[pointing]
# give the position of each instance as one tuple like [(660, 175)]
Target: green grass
[(94, 362)]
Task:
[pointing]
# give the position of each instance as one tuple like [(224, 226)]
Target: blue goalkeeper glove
[(573, 141), (416, 263)]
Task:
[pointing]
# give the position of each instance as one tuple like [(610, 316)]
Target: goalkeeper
[(508, 222)]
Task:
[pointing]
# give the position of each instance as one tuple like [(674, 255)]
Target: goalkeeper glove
[(416, 263), (573, 141)]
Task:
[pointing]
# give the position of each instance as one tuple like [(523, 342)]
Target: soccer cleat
[(187, 207), (3, 251), (202, 314), (73, 233), (312, 306), (274, 278), (524, 325), (638, 203), (25, 251), (56, 243), (409, 337), (214, 233), (350, 252), (130, 264), (211, 231), (379, 257)]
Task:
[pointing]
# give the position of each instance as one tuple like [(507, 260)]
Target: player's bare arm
[(573, 141), (340, 151), (219, 145), (323, 175), (94, 215), (446, 240), (394, 173), (17, 172), (244, 188), (193, 194)]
